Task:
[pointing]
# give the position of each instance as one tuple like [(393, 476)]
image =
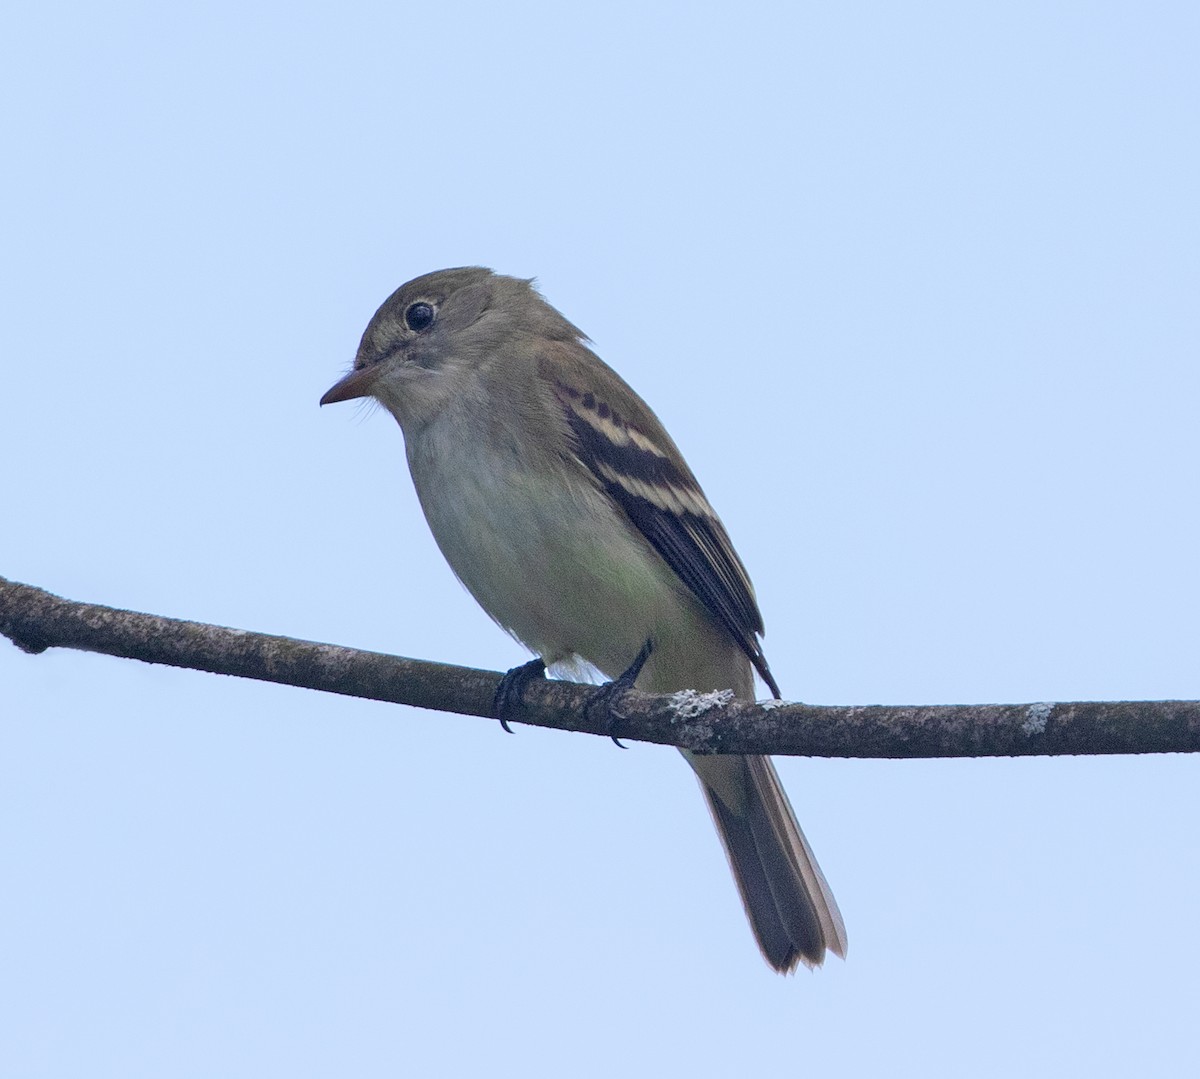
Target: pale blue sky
[(915, 289)]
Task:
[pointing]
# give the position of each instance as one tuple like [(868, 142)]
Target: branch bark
[(36, 620)]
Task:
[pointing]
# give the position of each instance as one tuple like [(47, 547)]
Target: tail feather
[(787, 899)]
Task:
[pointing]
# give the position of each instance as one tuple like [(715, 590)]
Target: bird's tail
[(789, 904)]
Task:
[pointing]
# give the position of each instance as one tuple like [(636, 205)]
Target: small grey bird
[(563, 505)]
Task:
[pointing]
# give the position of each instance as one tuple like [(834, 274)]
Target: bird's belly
[(560, 568)]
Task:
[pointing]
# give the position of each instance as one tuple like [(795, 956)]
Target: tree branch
[(36, 620)]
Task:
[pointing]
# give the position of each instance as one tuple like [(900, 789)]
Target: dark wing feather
[(646, 476)]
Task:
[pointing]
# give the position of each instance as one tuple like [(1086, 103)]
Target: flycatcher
[(563, 505)]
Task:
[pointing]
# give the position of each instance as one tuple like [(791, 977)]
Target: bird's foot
[(607, 697), (510, 694)]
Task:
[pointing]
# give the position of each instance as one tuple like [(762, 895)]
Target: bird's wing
[(635, 461)]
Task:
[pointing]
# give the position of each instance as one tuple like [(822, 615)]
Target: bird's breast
[(542, 549)]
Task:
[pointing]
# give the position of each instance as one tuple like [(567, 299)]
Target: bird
[(565, 508)]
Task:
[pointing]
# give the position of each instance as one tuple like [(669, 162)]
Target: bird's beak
[(358, 383)]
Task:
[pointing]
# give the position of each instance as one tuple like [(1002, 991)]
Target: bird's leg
[(609, 695), (510, 694)]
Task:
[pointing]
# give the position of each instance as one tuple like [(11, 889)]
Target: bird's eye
[(419, 316)]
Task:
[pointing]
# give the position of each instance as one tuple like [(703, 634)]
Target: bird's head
[(434, 340)]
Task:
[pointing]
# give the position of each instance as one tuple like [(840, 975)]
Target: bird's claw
[(608, 696), (510, 694)]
